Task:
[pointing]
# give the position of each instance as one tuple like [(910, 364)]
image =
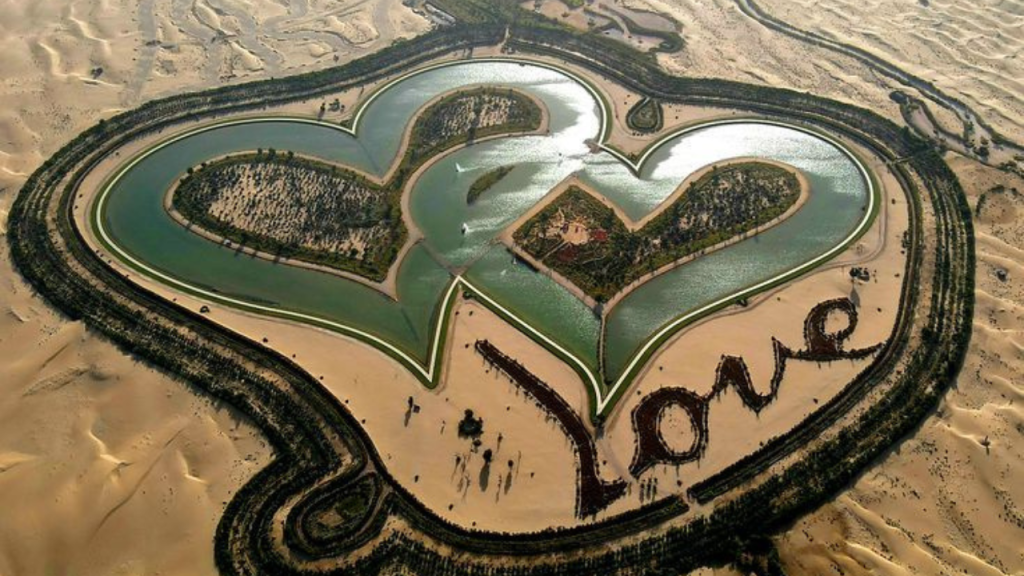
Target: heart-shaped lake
[(459, 237)]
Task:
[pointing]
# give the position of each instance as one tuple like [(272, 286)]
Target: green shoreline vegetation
[(319, 213), (584, 240), (485, 182)]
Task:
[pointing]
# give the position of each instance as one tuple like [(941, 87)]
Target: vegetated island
[(485, 182), (581, 238), (646, 116), (283, 206)]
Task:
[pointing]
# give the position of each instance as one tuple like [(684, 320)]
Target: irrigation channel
[(130, 217)]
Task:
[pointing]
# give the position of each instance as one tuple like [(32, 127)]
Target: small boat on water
[(465, 228), (459, 169)]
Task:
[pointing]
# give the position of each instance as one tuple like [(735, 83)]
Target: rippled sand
[(68, 63), (721, 42), (971, 50)]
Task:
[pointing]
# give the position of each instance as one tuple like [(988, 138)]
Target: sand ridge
[(966, 49)]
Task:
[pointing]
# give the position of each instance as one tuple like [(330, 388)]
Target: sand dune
[(94, 58), (96, 448), (969, 49), (721, 42)]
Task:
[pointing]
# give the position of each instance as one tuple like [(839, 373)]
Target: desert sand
[(968, 50), (97, 450), (608, 16), (721, 42)]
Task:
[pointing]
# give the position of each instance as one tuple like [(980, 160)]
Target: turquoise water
[(135, 219)]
